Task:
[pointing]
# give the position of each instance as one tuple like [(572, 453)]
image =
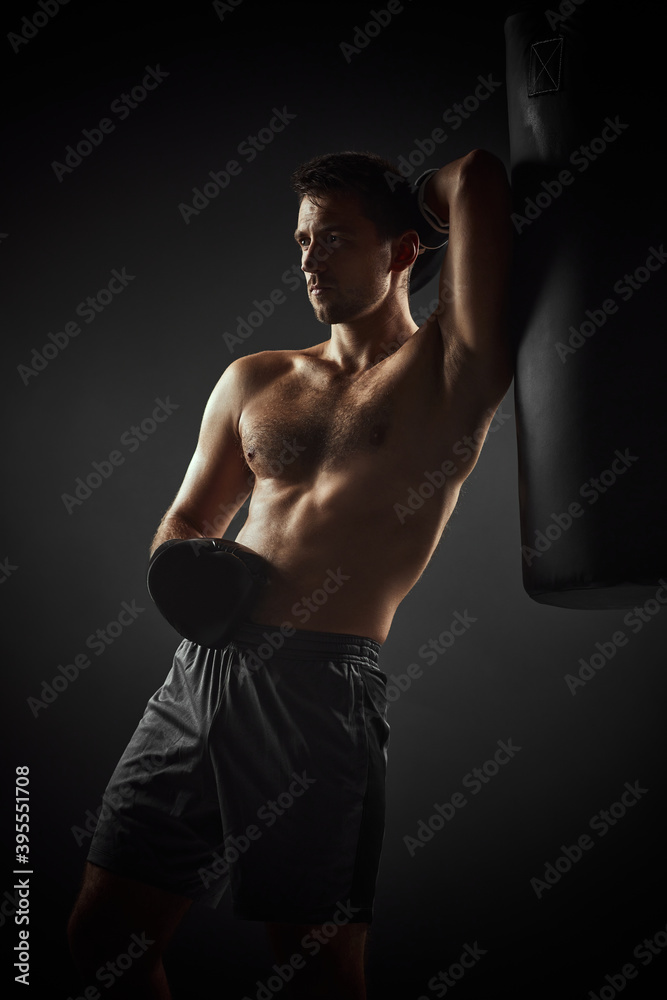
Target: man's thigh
[(116, 912), (320, 960)]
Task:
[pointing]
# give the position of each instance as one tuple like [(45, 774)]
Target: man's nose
[(313, 259)]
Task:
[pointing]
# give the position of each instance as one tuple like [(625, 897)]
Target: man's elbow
[(484, 162), (483, 171)]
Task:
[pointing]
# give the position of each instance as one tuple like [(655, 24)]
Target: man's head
[(384, 195), (356, 203)]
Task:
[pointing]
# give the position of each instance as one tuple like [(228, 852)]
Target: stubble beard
[(341, 309)]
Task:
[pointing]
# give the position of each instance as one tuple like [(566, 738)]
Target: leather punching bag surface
[(587, 153)]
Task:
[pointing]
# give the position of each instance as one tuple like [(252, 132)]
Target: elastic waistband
[(281, 639)]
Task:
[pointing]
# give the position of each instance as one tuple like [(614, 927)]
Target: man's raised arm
[(472, 194), (217, 480)]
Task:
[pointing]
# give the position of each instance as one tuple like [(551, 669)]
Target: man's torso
[(355, 477)]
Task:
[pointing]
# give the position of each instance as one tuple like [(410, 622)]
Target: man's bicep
[(217, 480), (212, 492)]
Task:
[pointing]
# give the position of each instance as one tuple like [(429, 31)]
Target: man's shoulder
[(265, 365)]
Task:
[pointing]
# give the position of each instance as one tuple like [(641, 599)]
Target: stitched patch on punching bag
[(544, 68)]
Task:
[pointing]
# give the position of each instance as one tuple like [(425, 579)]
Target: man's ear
[(405, 250)]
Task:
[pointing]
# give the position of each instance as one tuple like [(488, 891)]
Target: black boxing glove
[(433, 236), (433, 232), (205, 586)]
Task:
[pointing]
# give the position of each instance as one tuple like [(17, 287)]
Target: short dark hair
[(384, 194)]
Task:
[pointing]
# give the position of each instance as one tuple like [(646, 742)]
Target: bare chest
[(296, 428)]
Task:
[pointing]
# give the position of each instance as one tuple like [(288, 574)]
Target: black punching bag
[(585, 92)]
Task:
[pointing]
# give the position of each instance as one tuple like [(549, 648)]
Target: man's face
[(346, 263)]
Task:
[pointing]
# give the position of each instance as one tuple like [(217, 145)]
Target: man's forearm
[(173, 525)]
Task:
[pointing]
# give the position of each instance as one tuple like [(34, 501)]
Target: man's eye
[(331, 238)]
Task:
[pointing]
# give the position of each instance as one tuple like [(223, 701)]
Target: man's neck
[(359, 345)]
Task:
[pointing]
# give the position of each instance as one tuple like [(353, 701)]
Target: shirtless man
[(365, 427)]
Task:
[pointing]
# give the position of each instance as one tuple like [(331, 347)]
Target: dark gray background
[(162, 337)]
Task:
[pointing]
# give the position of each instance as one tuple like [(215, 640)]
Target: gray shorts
[(261, 765)]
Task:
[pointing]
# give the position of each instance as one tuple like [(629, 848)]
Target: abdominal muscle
[(341, 559)]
